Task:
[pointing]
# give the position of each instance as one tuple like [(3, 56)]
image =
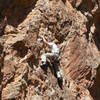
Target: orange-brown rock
[(74, 26)]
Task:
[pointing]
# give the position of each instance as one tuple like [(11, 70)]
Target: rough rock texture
[(74, 25)]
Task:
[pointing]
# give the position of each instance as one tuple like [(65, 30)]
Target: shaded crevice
[(33, 61), (20, 48), (1, 78), (96, 37), (95, 89), (64, 1), (86, 6), (4, 4), (96, 34), (1, 49), (1, 65)]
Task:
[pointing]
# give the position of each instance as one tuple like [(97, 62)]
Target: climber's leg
[(44, 58), (57, 71)]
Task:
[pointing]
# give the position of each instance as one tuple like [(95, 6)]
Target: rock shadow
[(16, 11), (95, 89), (1, 65), (20, 48), (96, 34)]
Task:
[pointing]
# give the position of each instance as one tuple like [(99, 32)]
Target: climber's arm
[(45, 41)]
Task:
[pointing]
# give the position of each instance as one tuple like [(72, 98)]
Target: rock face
[(74, 25)]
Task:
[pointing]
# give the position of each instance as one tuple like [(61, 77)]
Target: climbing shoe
[(59, 79), (59, 76)]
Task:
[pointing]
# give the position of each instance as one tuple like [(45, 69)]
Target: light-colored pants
[(49, 56)]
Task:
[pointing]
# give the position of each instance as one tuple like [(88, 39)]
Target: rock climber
[(53, 55)]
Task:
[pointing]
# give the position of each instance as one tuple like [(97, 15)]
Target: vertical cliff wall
[(74, 25)]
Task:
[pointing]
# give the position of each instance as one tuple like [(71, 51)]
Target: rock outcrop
[(74, 25)]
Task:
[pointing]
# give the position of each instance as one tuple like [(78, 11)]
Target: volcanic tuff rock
[(74, 25)]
